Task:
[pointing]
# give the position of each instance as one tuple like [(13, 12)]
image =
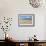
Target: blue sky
[(25, 17)]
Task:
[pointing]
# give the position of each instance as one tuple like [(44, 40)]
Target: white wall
[(12, 8)]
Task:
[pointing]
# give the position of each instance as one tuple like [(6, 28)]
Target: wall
[(11, 8)]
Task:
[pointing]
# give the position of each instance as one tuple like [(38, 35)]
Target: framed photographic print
[(26, 20)]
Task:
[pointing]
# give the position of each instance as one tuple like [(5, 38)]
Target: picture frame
[(26, 20)]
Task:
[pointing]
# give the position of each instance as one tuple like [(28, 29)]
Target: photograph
[(26, 20)]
